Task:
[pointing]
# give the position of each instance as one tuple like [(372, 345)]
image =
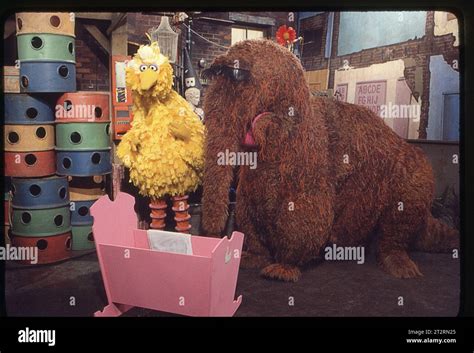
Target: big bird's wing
[(179, 130)]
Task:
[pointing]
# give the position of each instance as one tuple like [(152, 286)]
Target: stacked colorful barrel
[(46, 52), (83, 151), (28, 136), (6, 208), (41, 217), (84, 191), (40, 202)]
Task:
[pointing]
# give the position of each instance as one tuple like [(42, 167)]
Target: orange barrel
[(50, 249), (86, 107), (30, 164)]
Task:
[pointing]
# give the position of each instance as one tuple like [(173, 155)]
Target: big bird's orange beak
[(147, 79)]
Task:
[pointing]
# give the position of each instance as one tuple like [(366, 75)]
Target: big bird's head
[(149, 73)]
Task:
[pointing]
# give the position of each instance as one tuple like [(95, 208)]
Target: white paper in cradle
[(178, 243)]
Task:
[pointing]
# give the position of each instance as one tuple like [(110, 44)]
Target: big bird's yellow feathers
[(164, 147)]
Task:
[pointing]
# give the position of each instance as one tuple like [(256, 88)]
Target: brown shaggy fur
[(301, 161)]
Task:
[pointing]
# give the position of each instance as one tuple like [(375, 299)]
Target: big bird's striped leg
[(182, 217), (158, 213)]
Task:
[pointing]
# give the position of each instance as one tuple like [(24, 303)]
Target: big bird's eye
[(143, 67), (153, 67)]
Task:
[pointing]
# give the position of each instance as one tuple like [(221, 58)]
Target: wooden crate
[(11, 79)]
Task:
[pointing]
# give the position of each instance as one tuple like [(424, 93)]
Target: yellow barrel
[(45, 22), (26, 138), (86, 188)]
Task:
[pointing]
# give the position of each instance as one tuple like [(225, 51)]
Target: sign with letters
[(371, 94)]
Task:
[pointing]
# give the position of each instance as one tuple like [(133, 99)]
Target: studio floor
[(326, 289)]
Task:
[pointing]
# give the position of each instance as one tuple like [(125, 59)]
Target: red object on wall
[(285, 35), (121, 97)]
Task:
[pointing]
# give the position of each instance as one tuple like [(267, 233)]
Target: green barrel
[(82, 136), (41, 223), (46, 47), (82, 238)]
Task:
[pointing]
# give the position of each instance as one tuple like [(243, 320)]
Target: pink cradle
[(202, 284)]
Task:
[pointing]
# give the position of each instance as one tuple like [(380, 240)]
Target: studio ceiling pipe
[(41, 223), (43, 193), (50, 249), (83, 107), (46, 47), (25, 138), (47, 77), (83, 163), (24, 109), (30, 164), (62, 23)]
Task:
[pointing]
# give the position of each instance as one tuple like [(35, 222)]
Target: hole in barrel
[(31, 113), (41, 132), (36, 42), (13, 137), (98, 112), (95, 158), (24, 81), (35, 190), (59, 220), (55, 21), (26, 217), (62, 193), (42, 244), (67, 163), (83, 211), (30, 159), (63, 71), (75, 137)]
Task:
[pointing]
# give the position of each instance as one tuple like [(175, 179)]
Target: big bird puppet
[(164, 147)]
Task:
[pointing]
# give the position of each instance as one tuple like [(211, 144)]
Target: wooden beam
[(106, 16), (118, 46), (119, 39), (99, 37), (117, 20)]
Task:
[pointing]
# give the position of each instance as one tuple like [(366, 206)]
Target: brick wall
[(416, 51), (92, 62)]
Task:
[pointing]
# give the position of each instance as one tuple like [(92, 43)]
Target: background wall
[(364, 30)]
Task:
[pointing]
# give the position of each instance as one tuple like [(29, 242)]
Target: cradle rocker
[(201, 284)]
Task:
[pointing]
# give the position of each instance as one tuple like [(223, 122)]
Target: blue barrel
[(83, 163), (23, 109), (41, 193), (80, 214), (44, 77)]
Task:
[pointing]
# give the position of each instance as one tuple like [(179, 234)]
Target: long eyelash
[(226, 71)]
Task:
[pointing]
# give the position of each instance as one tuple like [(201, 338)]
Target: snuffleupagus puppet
[(328, 172)]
